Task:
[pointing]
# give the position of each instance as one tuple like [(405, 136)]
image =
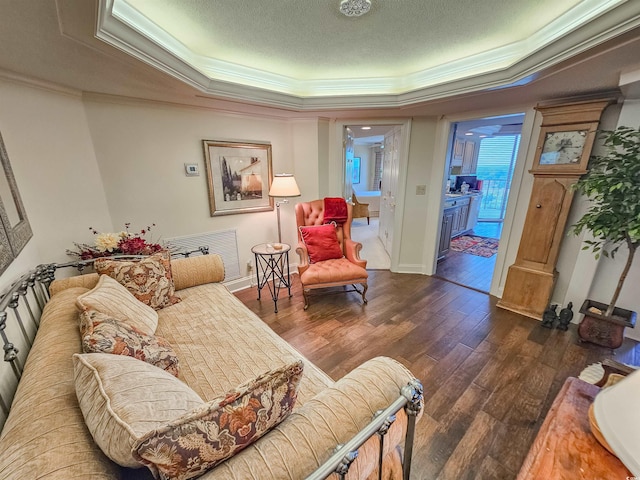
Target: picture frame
[(355, 171), (239, 175)]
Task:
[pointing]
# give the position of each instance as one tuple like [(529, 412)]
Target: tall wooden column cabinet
[(564, 146)]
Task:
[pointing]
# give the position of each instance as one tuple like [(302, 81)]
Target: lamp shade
[(284, 185)]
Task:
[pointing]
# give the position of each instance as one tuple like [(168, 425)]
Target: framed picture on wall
[(355, 177), (239, 177)]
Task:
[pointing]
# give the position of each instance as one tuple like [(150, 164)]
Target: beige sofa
[(220, 344)]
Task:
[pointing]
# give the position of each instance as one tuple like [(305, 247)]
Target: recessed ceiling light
[(482, 136), (365, 128), (355, 8), (468, 134)]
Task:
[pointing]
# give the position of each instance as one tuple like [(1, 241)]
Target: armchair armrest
[(352, 252), (302, 252), (295, 448)]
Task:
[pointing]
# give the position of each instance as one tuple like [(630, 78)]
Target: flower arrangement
[(123, 243)]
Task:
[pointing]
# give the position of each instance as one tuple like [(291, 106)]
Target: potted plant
[(613, 186)]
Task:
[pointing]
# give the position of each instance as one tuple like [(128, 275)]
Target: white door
[(389, 191), (348, 163)]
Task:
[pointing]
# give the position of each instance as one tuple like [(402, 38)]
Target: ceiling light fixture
[(355, 8), (365, 128)]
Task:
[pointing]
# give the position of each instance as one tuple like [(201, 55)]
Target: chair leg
[(305, 294), (368, 221), (364, 292)]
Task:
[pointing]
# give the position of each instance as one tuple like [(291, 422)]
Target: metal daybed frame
[(23, 302)]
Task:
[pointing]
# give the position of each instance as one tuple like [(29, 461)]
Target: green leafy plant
[(613, 186)]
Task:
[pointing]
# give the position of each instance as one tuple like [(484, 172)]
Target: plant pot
[(602, 330)]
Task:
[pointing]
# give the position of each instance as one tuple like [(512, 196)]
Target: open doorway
[(369, 167), (478, 180)]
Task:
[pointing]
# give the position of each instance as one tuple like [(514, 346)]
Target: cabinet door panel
[(547, 199)]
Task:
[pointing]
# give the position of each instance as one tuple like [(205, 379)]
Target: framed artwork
[(355, 171), (239, 177)]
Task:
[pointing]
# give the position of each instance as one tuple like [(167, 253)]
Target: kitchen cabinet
[(458, 153), (454, 222), (445, 233), (469, 158)]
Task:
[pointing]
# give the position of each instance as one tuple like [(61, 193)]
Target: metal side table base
[(272, 264)]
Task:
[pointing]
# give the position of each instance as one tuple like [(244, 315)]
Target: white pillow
[(618, 417), (123, 398), (113, 299)]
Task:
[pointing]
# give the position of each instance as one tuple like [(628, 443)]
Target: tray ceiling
[(305, 54)]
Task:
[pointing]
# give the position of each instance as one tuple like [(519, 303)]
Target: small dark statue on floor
[(565, 317), (549, 316)]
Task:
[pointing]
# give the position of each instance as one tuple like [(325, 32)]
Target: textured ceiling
[(401, 52), (54, 42), (312, 40)]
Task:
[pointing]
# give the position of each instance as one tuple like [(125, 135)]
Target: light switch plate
[(191, 170)]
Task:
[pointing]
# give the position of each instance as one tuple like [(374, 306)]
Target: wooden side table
[(272, 264)]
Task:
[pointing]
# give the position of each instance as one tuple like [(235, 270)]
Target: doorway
[(371, 172), (478, 180)]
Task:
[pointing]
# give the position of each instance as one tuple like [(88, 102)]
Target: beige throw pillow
[(122, 399), (113, 299)]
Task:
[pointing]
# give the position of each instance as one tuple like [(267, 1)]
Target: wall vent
[(223, 242)]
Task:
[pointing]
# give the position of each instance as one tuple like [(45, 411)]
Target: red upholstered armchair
[(347, 270)]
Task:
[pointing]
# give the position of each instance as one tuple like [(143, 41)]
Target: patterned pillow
[(102, 333), (201, 439), (149, 279), (321, 242), (109, 297)]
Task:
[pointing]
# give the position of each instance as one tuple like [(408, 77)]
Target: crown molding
[(589, 24)]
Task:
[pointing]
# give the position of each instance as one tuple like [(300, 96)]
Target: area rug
[(480, 246)]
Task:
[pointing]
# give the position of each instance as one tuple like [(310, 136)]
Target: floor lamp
[(283, 186)]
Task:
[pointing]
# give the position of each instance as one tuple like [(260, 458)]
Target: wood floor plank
[(490, 375)]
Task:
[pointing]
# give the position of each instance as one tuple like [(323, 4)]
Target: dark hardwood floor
[(489, 375), (471, 270)]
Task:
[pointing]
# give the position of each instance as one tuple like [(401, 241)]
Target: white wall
[(141, 148), (608, 271), (46, 136)]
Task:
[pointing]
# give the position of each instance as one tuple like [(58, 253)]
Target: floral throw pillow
[(102, 333), (201, 439), (149, 279)]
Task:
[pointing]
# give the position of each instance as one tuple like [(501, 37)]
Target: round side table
[(272, 263)]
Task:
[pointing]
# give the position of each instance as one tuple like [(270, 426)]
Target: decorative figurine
[(549, 316), (566, 314)]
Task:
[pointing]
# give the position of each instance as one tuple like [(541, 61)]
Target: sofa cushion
[(201, 439), (122, 399), (109, 297), (321, 242), (102, 333), (148, 279)]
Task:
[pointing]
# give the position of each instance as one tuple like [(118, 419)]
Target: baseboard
[(249, 281), (411, 268)]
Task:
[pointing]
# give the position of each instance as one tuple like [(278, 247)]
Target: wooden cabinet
[(445, 232), (458, 153), (454, 222), (531, 279), (469, 158), (464, 160)]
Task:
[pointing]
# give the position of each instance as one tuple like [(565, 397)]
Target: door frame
[(437, 185), (337, 171)]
